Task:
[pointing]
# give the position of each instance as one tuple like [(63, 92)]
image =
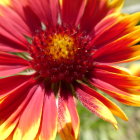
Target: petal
[(90, 17), (111, 52), (21, 22), (25, 12), (96, 106), (122, 26), (12, 82), (8, 125), (106, 22), (112, 106), (8, 45), (11, 70), (30, 119), (113, 69), (72, 11), (49, 119), (14, 98), (68, 120), (15, 29), (11, 64), (117, 79), (129, 87), (14, 19), (14, 38), (95, 11), (46, 10), (121, 96), (116, 5), (20, 11), (7, 128), (122, 55)]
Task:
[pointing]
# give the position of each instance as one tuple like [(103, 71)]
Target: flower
[(52, 52)]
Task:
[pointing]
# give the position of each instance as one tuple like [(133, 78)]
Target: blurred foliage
[(131, 6)]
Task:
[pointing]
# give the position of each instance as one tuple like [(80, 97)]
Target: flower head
[(54, 51)]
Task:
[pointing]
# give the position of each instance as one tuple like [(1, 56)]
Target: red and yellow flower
[(54, 51)]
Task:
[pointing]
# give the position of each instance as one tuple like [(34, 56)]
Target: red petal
[(112, 52), (11, 70), (68, 120), (20, 21), (24, 10), (14, 19), (95, 11), (72, 11), (119, 71), (14, 98), (113, 107), (121, 96), (11, 64), (15, 28), (120, 55), (46, 10), (49, 119), (8, 45), (105, 23), (12, 82), (117, 79), (30, 119), (114, 69), (122, 26), (96, 106), (16, 38), (8, 125)]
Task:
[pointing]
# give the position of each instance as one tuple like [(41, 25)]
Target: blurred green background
[(93, 128), (131, 6)]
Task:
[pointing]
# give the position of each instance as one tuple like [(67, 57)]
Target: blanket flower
[(53, 52)]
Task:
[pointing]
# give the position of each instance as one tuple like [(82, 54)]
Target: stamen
[(60, 46)]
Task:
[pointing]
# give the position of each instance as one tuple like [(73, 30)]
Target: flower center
[(61, 54), (60, 46)]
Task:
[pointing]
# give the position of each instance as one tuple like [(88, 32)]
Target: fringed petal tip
[(96, 105), (108, 103)]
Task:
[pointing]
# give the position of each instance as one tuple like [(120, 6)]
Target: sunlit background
[(93, 128)]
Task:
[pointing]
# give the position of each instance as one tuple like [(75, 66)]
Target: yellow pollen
[(61, 46)]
